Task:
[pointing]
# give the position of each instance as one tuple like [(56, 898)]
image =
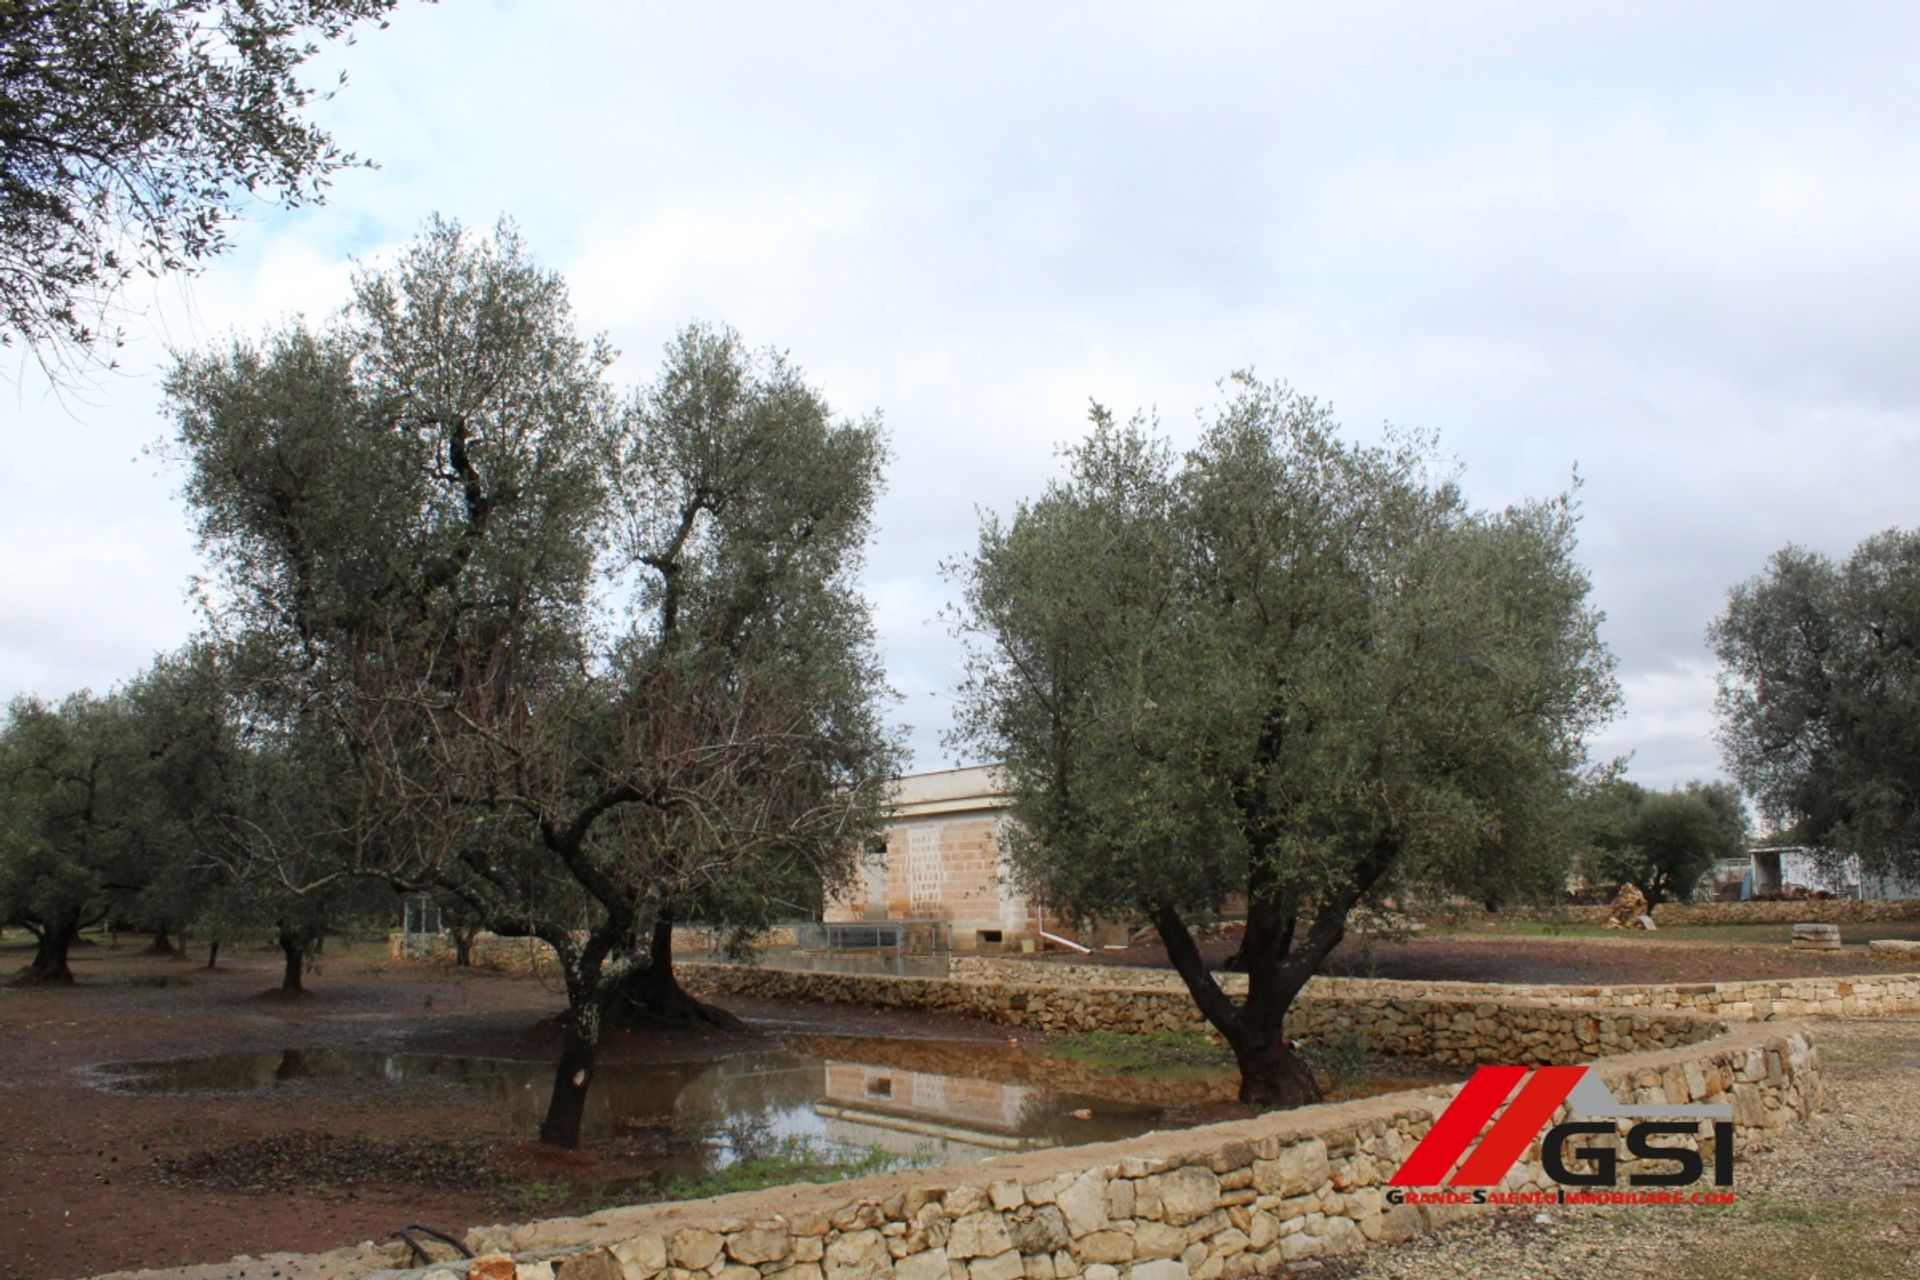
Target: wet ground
[(159, 1113), (820, 1093)]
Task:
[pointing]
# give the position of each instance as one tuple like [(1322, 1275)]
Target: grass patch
[(792, 1160), (1148, 1051)]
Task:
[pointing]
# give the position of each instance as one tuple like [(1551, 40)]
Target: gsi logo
[(1527, 1110)]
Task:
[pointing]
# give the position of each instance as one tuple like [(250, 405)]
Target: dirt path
[(1838, 1200)]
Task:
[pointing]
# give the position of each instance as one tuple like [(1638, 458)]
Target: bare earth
[(80, 1192), (1571, 960)]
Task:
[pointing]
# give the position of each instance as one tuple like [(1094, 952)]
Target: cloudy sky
[(1674, 245)]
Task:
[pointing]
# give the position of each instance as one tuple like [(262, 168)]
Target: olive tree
[(1664, 841), (412, 507), (1282, 668), (132, 133), (95, 793), (1819, 698)]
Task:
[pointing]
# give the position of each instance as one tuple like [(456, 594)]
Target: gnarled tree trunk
[(51, 943), (293, 948), (653, 996)]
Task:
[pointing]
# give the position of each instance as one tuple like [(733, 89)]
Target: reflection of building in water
[(905, 1110)]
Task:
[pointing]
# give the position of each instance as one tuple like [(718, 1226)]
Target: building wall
[(944, 867), (942, 862)]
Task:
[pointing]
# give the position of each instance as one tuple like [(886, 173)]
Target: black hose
[(426, 1259)]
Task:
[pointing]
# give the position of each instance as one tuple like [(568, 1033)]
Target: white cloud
[(1672, 245)]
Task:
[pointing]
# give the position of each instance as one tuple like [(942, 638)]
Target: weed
[(794, 1159), (1344, 1058)]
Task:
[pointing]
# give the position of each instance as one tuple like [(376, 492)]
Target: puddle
[(838, 1093)]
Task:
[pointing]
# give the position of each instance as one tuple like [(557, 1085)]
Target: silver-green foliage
[(1280, 667), (1819, 698)]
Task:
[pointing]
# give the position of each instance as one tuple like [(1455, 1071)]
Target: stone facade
[(941, 861)]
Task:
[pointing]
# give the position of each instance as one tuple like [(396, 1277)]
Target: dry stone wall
[(1222, 1202), (1864, 996), (1445, 1028)]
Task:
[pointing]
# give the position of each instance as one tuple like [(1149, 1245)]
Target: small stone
[(492, 1266)]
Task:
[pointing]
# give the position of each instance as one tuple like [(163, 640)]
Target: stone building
[(942, 863)]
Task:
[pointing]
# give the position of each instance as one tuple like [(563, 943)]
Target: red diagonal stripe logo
[(1455, 1127), (1518, 1125)]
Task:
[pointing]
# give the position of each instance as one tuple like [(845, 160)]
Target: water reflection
[(840, 1092)]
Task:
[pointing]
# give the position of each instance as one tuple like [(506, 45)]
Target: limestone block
[(758, 1244), (964, 1200), (1160, 1269), (1187, 1193), (1044, 1232), (694, 1247), (798, 1271), (858, 1255), (641, 1256), (1104, 1246), (1084, 1202), (593, 1264), (1303, 1167), (978, 1235), (1158, 1240), (930, 1264)]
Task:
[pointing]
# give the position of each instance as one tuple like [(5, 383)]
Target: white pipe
[(1066, 942)]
